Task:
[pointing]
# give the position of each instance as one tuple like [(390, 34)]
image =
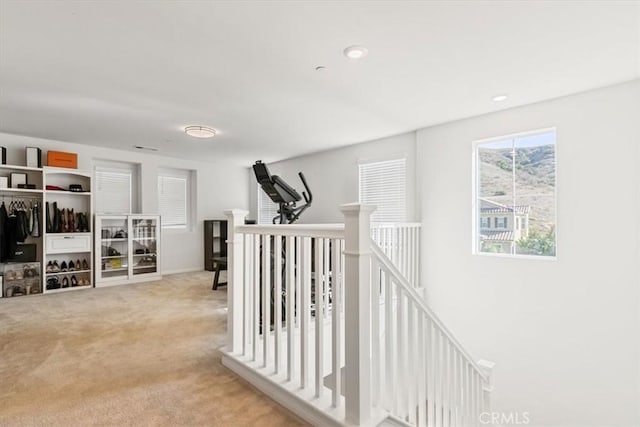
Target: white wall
[(220, 186), (333, 176), (565, 334)]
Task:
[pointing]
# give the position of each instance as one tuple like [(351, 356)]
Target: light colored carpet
[(143, 354)]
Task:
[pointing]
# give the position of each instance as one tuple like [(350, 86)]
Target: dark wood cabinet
[(215, 241)]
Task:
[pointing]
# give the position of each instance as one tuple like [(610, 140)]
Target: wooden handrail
[(326, 231)]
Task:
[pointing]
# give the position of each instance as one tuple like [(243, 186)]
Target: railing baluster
[(319, 316), (467, 393), (402, 353), (256, 295), (246, 304), (325, 277), (277, 300), (402, 251), (454, 387), (421, 361), (305, 310), (438, 371), (430, 373), (417, 231), (478, 398), (290, 303), (389, 347), (375, 336), (472, 402), (266, 297), (411, 344), (336, 322), (410, 256), (446, 380)]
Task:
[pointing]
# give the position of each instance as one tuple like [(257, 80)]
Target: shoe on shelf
[(53, 283), (63, 266), (56, 267), (71, 221), (78, 265), (85, 264), (72, 266), (74, 281), (65, 282), (49, 267)]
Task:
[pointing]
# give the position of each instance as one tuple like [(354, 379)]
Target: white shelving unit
[(27, 285), (127, 249), (69, 245)]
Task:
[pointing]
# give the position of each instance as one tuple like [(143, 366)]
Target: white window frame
[(475, 216), (381, 215), (117, 167), (190, 202)]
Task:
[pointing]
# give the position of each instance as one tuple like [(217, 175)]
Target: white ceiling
[(120, 74)]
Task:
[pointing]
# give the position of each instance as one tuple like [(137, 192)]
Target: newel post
[(487, 369), (357, 309), (235, 279)]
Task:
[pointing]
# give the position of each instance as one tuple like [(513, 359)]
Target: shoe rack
[(127, 249), (68, 238)]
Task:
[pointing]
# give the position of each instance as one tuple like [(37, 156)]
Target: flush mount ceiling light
[(356, 52), (500, 98), (200, 131)]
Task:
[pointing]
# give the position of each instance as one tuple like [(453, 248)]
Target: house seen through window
[(515, 195)]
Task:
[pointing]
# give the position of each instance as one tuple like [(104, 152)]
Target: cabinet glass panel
[(115, 248), (144, 245)]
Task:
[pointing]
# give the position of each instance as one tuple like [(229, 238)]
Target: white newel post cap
[(236, 213), (486, 367), (352, 209)]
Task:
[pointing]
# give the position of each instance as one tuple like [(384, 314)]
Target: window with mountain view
[(515, 195)]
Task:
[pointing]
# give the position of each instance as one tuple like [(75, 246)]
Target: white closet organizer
[(127, 249), (16, 281), (68, 251)]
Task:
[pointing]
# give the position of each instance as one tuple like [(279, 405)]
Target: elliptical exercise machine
[(283, 194), (288, 212)]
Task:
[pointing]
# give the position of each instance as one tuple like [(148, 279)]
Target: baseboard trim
[(181, 270)]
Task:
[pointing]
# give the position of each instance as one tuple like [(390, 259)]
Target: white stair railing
[(421, 373), (336, 330), (285, 286)]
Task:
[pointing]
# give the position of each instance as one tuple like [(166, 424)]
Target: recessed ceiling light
[(356, 52), (500, 98), (200, 131)]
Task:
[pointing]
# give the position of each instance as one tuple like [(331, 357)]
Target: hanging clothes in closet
[(4, 237), (17, 222)]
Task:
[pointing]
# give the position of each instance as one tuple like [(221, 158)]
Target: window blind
[(383, 184), (172, 200), (266, 208), (113, 190)]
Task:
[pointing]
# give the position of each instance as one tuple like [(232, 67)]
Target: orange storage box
[(62, 160)]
